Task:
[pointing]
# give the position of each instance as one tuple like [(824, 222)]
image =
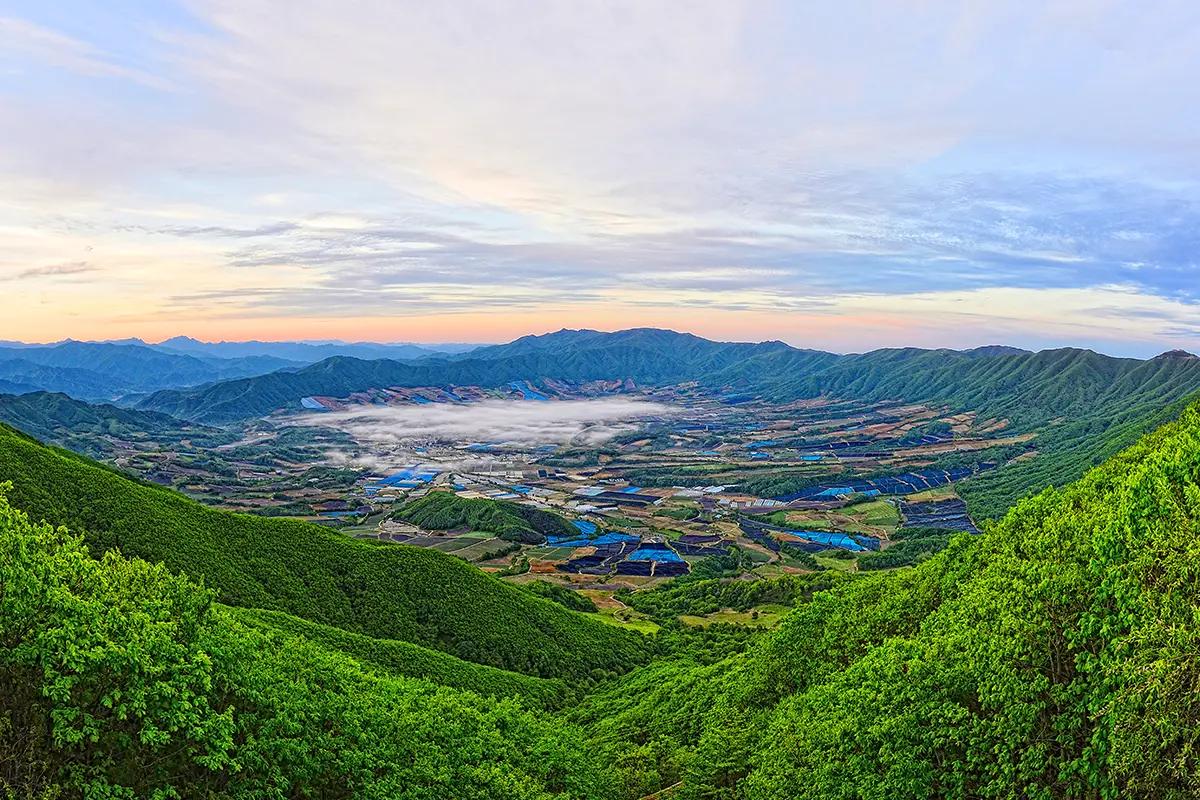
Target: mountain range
[(108, 371), (308, 352), (1082, 405), (996, 380), (128, 369)]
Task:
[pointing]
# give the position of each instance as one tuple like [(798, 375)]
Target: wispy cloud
[(57, 270), (20, 36)]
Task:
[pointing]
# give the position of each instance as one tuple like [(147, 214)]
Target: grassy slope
[(384, 591)]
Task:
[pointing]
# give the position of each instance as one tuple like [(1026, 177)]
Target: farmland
[(673, 478)]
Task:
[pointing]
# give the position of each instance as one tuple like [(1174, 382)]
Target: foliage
[(1053, 656), (712, 567), (404, 659), (904, 553), (682, 514), (378, 589), (922, 532), (514, 522), (501, 552), (557, 593), (519, 566), (121, 680), (799, 557), (700, 597)]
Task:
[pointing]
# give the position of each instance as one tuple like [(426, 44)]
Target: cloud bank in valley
[(584, 422)]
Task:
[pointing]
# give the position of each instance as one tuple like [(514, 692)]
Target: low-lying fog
[(518, 422)]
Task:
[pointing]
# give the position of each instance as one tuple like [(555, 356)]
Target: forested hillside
[(58, 419), (1052, 657), (446, 511), (119, 679), (384, 591)]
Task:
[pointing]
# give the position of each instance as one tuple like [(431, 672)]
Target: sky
[(841, 175)]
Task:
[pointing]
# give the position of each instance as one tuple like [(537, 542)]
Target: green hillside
[(60, 420), (513, 522), (121, 680), (1051, 657), (407, 660), (380, 590)]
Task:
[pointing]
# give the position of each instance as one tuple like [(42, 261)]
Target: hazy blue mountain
[(81, 383), (308, 352), (11, 387), (109, 371)]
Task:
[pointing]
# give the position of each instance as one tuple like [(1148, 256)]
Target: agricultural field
[(780, 488)]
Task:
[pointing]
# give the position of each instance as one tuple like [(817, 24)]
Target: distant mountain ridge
[(109, 371), (63, 421), (308, 352), (996, 378), (128, 368), (644, 355), (10, 387)]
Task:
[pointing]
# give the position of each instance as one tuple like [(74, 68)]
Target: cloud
[(525, 423), (20, 36), (54, 270)]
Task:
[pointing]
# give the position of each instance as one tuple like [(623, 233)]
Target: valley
[(652, 480), (653, 584)]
